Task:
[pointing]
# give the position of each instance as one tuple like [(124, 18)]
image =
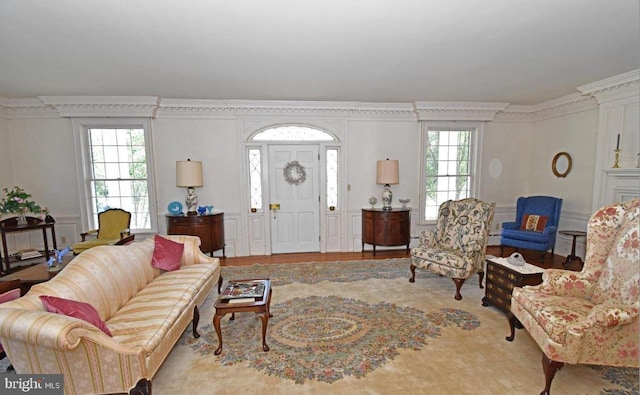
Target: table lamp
[(189, 175), (388, 172)]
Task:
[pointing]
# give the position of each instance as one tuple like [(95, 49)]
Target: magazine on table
[(244, 289)]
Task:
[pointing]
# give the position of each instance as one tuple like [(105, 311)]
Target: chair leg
[(550, 368), (458, 282), (413, 273), (501, 250), (542, 256)]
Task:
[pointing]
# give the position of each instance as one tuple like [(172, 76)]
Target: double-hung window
[(449, 164), (118, 171)]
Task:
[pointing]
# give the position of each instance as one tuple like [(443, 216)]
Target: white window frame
[(474, 160), (83, 161)]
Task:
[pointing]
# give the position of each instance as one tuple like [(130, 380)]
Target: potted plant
[(16, 201)]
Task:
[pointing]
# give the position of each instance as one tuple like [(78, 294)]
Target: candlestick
[(618, 142), (617, 159)]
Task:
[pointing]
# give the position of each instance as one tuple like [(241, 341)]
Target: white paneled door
[(294, 205)]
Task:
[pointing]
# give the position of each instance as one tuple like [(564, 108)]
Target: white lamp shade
[(188, 173), (388, 172)]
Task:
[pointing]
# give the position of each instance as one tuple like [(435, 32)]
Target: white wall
[(518, 146)]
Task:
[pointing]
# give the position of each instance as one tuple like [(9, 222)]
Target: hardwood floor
[(530, 256)]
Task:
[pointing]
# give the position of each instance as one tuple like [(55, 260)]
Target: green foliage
[(17, 201)]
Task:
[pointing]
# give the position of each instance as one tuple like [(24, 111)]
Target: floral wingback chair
[(590, 317), (456, 247)]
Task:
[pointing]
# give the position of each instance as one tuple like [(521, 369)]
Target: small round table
[(575, 234)]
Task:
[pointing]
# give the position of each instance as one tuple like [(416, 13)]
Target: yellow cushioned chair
[(113, 226)]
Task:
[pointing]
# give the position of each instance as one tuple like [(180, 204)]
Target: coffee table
[(35, 274), (254, 296)]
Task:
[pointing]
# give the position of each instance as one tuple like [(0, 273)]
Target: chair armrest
[(614, 315), (566, 283), (510, 225), (125, 232), (57, 331), (549, 230), (87, 233)]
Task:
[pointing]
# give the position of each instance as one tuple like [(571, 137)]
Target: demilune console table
[(209, 227), (10, 225), (386, 227)]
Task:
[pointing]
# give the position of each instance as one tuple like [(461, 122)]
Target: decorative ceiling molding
[(103, 106), (179, 108), (565, 105), (457, 111), (26, 108), (614, 88)]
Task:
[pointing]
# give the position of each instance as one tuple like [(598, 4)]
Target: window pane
[(119, 171), (332, 177), (293, 133), (255, 178), (447, 161)]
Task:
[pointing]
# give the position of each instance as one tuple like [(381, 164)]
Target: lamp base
[(191, 201), (387, 196)]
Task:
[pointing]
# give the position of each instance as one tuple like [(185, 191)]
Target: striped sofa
[(144, 308)]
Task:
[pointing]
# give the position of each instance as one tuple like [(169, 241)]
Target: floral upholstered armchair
[(456, 247), (590, 317)]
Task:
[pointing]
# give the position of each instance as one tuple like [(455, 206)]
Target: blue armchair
[(536, 225)]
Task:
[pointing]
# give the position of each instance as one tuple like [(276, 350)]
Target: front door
[(295, 198)]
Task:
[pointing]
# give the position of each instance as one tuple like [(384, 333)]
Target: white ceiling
[(514, 51)]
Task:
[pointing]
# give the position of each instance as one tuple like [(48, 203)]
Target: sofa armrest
[(549, 230), (566, 283), (510, 225), (56, 331)]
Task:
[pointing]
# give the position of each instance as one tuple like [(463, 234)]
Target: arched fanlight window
[(292, 133)]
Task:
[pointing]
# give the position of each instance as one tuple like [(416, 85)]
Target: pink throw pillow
[(10, 295), (167, 254), (74, 308)]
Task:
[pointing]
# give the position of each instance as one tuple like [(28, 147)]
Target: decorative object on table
[(561, 164), (202, 210), (16, 201), (209, 209), (189, 175), (404, 202), (372, 201), (54, 263), (387, 173), (294, 173), (175, 208), (516, 259)]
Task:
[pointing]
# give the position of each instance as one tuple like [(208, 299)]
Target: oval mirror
[(561, 164)]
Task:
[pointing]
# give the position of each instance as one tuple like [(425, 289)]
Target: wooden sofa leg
[(143, 387), (550, 368), (220, 285), (196, 319), (459, 282), (481, 277), (413, 274)]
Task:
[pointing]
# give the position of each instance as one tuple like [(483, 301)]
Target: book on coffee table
[(244, 289)]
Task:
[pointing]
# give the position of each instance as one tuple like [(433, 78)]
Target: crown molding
[(103, 106), (25, 108), (179, 108), (457, 111), (569, 104), (614, 88)]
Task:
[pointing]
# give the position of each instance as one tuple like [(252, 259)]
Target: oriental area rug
[(361, 328)]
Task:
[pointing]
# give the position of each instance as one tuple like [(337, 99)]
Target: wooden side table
[(386, 227), (260, 305), (502, 277), (10, 225), (209, 227), (575, 234)]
